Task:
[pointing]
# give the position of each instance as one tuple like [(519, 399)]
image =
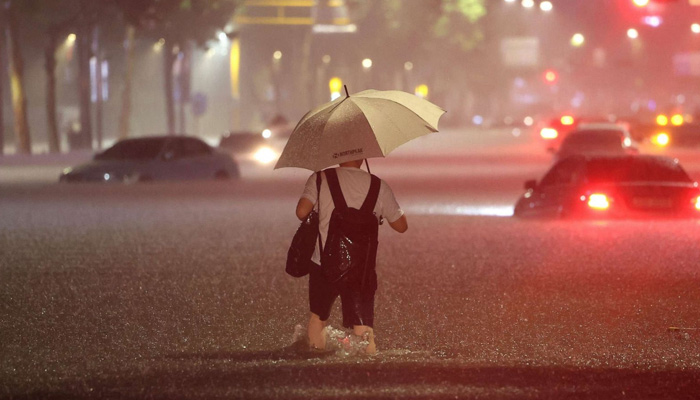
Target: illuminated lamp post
[(335, 85)]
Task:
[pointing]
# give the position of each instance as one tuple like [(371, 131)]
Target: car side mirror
[(530, 184)]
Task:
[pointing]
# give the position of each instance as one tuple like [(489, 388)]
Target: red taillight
[(599, 201)]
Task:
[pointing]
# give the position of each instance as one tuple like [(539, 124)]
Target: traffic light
[(550, 76)]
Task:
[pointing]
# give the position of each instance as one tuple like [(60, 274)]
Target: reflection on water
[(456, 209)]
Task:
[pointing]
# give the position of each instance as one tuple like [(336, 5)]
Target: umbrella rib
[(389, 118), (409, 109)]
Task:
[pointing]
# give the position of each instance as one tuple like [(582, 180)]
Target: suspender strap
[(318, 202), (339, 199), (372, 195), (336, 192)]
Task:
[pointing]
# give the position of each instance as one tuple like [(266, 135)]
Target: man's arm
[(400, 225), (304, 207)]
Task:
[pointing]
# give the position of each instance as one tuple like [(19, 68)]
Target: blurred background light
[(652, 20), (577, 40), (422, 91)]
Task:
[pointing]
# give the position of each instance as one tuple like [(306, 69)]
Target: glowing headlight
[(661, 139), (265, 155), (266, 133), (549, 133)]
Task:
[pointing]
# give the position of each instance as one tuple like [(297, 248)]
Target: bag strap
[(336, 192), (372, 195), (318, 202)]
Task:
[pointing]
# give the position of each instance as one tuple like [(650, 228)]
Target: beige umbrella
[(368, 124)]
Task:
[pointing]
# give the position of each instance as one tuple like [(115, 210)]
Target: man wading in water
[(357, 300)]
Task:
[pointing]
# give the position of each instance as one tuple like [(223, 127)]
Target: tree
[(54, 21), (442, 37), (179, 23), (19, 98)]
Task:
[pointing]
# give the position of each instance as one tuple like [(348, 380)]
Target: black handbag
[(304, 242)]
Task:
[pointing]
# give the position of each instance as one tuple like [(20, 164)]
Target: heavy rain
[(144, 228)]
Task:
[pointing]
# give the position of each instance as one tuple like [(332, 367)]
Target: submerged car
[(612, 187), (155, 158), (604, 139)]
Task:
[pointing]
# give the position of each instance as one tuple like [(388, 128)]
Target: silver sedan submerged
[(155, 158)]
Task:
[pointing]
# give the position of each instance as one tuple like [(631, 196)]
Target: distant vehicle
[(553, 131), (250, 146), (602, 139), (155, 158), (684, 135), (612, 187)]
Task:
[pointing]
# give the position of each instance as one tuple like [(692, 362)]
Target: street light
[(577, 40), (422, 91), (158, 46), (367, 63), (408, 66), (632, 33), (528, 3), (335, 85), (546, 6)]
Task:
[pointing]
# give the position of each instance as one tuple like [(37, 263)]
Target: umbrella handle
[(346, 90)]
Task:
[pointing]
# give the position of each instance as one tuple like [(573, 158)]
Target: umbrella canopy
[(368, 124)]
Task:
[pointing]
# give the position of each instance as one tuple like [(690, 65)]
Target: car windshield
[(593, 139), (635, 169), (138, 149)]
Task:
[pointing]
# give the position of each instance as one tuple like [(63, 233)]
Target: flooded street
[(179, 291)]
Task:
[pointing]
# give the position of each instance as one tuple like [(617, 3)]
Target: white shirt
[(354, 183)]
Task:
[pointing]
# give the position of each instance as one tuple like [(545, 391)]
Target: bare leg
[(360, 330), (317, 338)]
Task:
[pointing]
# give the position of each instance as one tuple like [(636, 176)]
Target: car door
[(555, 194)]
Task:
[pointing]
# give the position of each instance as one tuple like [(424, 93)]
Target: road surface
[(178, 290)]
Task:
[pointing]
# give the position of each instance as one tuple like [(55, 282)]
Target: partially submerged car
[(612, 187), (155, 158), (603, 139)]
